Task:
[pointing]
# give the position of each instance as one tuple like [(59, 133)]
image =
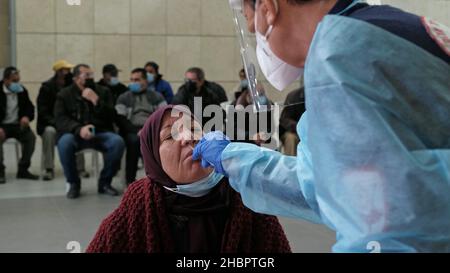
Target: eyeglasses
[(190, 80)]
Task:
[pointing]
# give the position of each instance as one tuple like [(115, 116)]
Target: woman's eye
[(168, 137)]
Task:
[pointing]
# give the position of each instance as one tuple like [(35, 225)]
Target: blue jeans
[(110, 144)]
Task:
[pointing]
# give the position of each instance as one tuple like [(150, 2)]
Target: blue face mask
[(114, 81), (150, 77), (263, 100), (199, 188), (135, 87), (15, 88), (244, 84)]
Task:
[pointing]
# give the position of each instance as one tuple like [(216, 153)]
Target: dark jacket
[(291, 115), (162, 87), (249, 117), (46, 103), (218, 89), (210, 93), (26, 107), (125, 107), (116, 91), (72, 111)]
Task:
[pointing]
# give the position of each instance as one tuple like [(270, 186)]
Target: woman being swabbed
[(180, 207)]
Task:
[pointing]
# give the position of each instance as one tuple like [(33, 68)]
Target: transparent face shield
[(243, 13), (244, 21)]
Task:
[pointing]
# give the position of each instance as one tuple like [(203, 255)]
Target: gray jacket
[(126, 106)]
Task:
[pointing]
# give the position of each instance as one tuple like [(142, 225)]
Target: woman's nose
[(187, 142), (187, 139)]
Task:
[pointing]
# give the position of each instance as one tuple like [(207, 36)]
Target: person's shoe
[(74, 191), (84, 174), (2, 178), (108, 190), (25, 174), (48, 175)]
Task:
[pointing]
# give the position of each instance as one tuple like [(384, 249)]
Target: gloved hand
[(210, 149)]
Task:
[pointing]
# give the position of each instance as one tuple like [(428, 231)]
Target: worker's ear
[(269, 9)]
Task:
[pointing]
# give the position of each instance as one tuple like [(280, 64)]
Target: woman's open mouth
[(188, 156)]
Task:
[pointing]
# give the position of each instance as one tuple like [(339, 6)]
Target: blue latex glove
[(210, 149)]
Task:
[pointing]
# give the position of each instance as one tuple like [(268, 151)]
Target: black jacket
[(292, 114), (249, 116), (72, 111), (116, 91), (210, 93), (45, 104), (26, 107), (218, 89)]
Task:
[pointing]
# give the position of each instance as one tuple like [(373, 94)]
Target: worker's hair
[(141, 71), (77, 69), (197, 71)]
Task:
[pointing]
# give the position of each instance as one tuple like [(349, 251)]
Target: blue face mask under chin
[(199, 188), (15, 88)]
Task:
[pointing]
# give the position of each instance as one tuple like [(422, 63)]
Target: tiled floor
[(35, 216)]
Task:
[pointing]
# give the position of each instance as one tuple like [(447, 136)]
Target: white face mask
[(279, 73)]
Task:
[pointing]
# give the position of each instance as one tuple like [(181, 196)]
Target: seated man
[(196, 86), (46, 119), (290, 116), (111, 81), (181, 207), (16, 113), (251, 127), (84, 115), (133, 109)]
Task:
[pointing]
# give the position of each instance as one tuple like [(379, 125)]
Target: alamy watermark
[(238, 123)]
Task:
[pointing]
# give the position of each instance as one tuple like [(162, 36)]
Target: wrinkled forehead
[(178, 116)]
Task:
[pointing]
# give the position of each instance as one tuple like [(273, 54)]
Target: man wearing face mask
[(243, 84), (196, 85), (133, 109), (46, 119), (16, 113), (374, 160), (111, 81), (84, 115)]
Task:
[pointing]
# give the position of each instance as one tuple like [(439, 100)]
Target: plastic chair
[(95, 164)]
